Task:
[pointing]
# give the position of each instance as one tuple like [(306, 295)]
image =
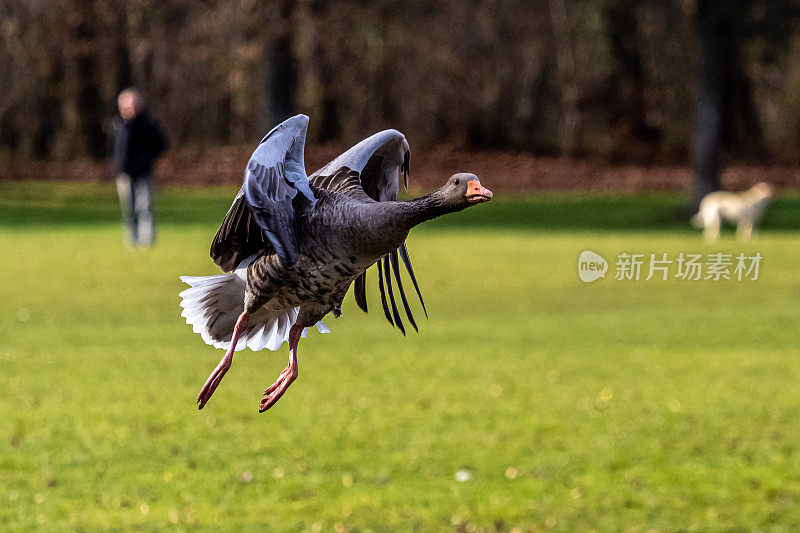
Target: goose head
[(463, 190)]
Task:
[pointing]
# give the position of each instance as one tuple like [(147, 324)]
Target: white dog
[(744, 208)]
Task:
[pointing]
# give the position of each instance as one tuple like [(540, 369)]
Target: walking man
[(138, 141)]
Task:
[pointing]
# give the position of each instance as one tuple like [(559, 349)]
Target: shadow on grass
[(32, 204)]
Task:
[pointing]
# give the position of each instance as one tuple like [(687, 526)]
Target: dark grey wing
[(343, 181), (263, 213), (239, 236), (379, 159), (370, 171)]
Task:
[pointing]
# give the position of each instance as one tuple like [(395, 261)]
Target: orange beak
[(476, 193)]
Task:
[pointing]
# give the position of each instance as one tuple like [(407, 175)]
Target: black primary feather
[(383, 293), (395, 313), (407, 261), (396, 269), (360, 291)]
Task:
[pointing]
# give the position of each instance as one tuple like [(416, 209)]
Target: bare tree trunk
[(282, 78), (711, 37), (317, 88), (122, 58), (81, 107), (565, 70), (90, 107), (620, 18)]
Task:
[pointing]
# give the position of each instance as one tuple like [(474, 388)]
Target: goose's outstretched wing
[(262, 214), (371, 171), (379, 159)]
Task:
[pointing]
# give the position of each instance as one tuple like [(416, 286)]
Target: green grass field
[(610, 406)]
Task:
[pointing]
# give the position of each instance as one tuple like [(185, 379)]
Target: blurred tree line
[(615, 79)]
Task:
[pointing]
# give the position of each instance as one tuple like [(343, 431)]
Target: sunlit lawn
[(666, 405)]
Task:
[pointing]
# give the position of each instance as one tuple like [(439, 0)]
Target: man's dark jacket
[(137, 144)]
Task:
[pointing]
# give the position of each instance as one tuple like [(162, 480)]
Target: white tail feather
[(212, 304)]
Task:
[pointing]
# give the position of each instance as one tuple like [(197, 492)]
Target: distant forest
[(612, 79)]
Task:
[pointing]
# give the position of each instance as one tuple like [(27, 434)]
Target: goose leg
[(287, 376), (216, 376)]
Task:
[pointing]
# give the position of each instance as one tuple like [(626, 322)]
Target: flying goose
[(292, 244)]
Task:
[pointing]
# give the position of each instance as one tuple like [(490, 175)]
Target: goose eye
[(457, 182)]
